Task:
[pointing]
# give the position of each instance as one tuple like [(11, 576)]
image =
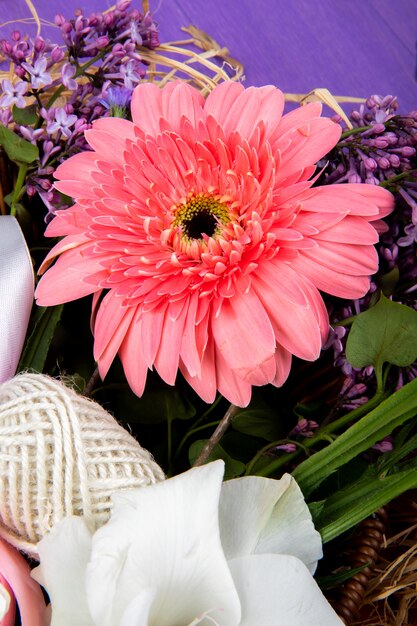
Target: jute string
[(60, 454)]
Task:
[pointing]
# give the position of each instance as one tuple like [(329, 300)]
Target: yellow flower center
[(201, 215)]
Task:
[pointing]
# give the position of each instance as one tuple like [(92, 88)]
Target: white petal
[(261, 515), (137, 611), (64, 554), (276, 589), (165, 537)]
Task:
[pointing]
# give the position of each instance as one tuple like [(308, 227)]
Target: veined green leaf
[(37, 346), (17, 149), (373, 427), (351, 505), (386, 333)]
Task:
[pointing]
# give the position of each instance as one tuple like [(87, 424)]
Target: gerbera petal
[(243, 333), (330, 280), (205, 384), (280, 523), (162, 526), (229, 384), (252, 106), (220, 100), (132, 357), (296, 326), (77, 168), (297, 600), (146, 107), (283, 359), (111, 325), (65, 280)]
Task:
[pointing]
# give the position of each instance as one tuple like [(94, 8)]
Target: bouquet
[(235, 284)]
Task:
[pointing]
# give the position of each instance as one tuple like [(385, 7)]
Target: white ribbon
[(16, 294)]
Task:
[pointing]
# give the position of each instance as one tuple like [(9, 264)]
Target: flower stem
[(217, 435), (354, 131), (88, 390)]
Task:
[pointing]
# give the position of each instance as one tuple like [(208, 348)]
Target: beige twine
[(60, 454)]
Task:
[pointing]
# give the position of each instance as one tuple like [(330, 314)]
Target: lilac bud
[(380, 142), (371, 180), (102, 42), (69, 109), (370, 164), (122, 5), (354, 178), (394, 159), (286, 447), (407, 151), (57, 54), (39, 44), (30, 190), (109, 18), (118, 50), (6, 47), (16, 36), (386, 445), (391, 138), (19, 71), (378, 128), (383, 163), (66, 28), (59, 20)]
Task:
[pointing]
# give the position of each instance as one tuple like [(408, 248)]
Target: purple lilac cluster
[(67, 88), (380, 149)]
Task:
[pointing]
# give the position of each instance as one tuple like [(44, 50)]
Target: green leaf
[(37, 346), (336, 579), (17, 149), (388, 282), (351, 505), (386, 333), (26, 116), (261, 423), (233, 467), (158, 404), (377, 424)]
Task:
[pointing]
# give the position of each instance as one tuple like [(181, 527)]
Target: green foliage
[(160, 403), (349, 506), (37, 345), (377, 424), (386, 333), (259, 422), (233, 467), (26, 116), (17, 149)]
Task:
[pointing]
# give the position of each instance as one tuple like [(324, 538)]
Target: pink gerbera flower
[(197, 228)]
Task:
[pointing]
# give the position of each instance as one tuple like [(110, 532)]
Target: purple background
[(352, 47)]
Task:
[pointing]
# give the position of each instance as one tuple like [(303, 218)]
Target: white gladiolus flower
[(187, 551)]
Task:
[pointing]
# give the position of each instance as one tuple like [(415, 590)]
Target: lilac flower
[(38, 73), (13, 94), (67, 75), (63, 123), (410, 236), (132, 73)]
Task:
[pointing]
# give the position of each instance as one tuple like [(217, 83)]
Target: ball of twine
[(60, 454)]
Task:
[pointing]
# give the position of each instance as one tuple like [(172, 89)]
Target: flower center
[(201, 215)]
